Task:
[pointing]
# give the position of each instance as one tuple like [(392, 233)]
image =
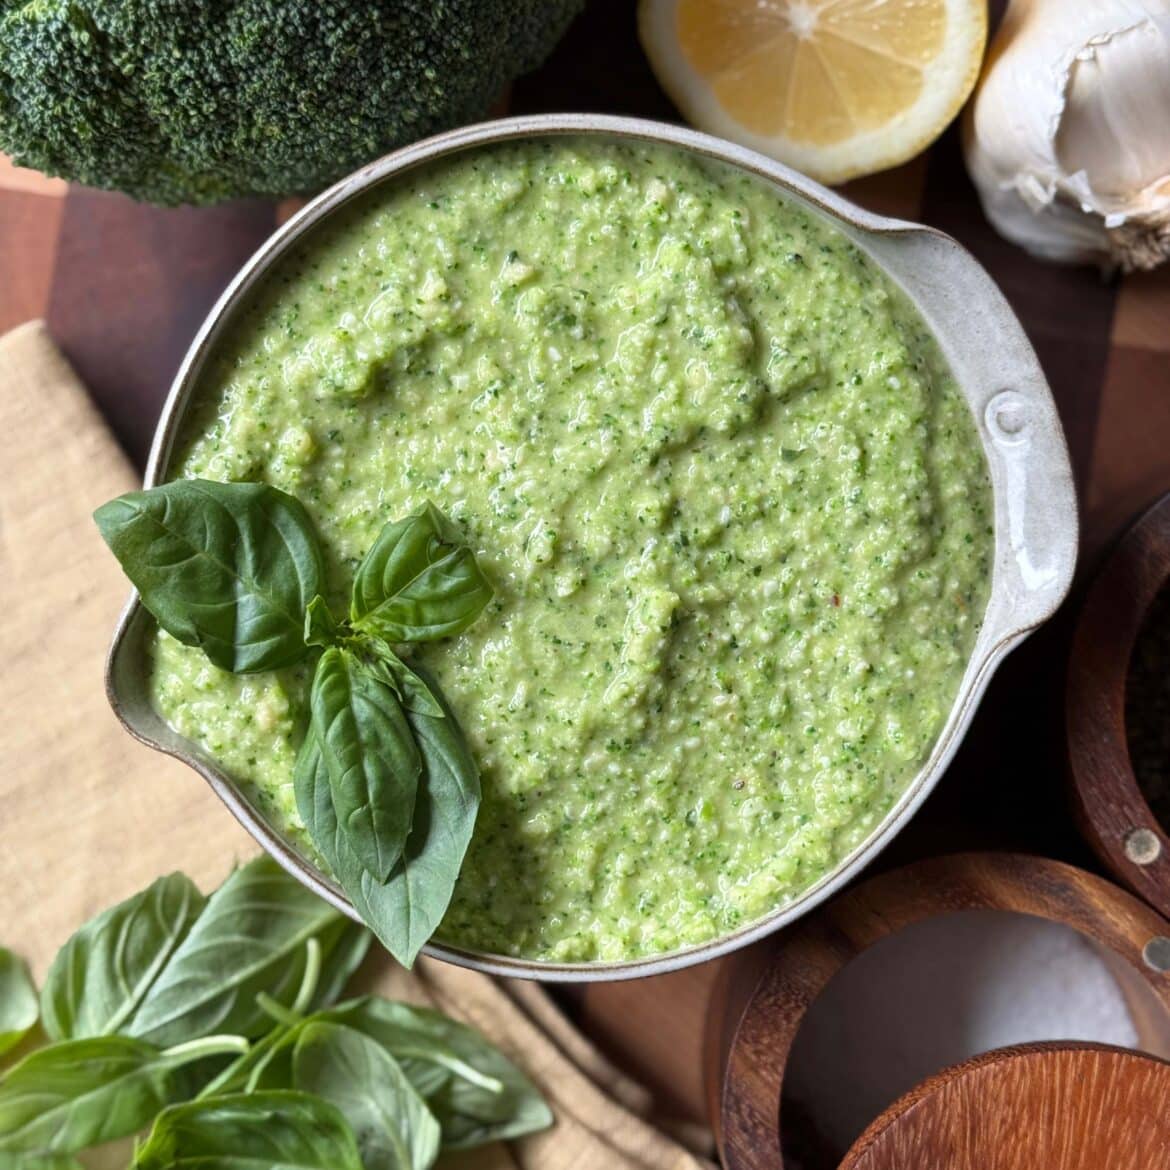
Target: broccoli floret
[(178, 101)]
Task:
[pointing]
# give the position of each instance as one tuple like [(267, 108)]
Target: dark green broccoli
[(196, 101)]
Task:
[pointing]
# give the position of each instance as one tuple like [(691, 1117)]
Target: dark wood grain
[(1035, 1107), (750, 1055), (1131, 441), (28, 243), (131, 287), (1109, 803)]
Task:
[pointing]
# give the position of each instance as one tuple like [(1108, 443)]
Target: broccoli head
[(179, 101)]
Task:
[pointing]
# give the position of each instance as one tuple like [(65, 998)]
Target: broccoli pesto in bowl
[(733, 506)]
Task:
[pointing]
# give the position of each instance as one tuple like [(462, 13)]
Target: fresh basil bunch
[(214, 1022), (384, 780)]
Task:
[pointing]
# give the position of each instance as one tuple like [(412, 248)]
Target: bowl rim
[(1045, 517)]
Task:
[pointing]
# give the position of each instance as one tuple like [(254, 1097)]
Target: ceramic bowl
[(1011, 405)]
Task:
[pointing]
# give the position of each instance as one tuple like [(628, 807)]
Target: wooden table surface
[(124, 287)]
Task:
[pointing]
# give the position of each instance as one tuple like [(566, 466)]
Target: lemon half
[(834, 88)]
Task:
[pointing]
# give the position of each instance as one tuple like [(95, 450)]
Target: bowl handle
[(1035, 500), (1036, 511)]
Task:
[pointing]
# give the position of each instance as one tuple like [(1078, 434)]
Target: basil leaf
[(99, 978), (37, 1160), (320, 624), (315, 804), (18, 1001), (370, 755), (338, 967), (475, 1091), (419, 582), (228, 567), (405, 910), (292, 1131), (393, 1127), (414, 694), (80, 1093), (250, 938), (470, 1116)]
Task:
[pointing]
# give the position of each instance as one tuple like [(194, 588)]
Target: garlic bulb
[(1068, 139)]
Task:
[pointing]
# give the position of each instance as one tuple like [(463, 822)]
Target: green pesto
[(733, 505)]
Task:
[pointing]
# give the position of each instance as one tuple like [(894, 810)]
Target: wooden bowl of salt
[(763, 1024)]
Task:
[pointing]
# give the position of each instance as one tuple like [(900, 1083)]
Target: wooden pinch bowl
[(1113, 813), (1058, 1106), (764, 994)]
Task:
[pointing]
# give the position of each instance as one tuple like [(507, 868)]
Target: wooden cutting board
[(125, 286)]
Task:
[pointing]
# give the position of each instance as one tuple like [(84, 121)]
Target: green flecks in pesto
[(734, 507)]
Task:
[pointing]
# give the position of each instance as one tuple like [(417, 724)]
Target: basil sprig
[(385, 783), (290, 1076), (405, 910)]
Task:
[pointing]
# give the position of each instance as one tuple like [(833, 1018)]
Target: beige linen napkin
[(88, 816)]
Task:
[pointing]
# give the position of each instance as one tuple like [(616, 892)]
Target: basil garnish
[(406, 908), (415, 694), (370, 757), (228, 567), (419, 582), (385, 783), (320, 626), (295, 1079)]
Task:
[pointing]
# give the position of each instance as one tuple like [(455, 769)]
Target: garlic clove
[(1068, 139), (1118, 92)]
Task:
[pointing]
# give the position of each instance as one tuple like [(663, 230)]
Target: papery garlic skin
[(1068, 138)]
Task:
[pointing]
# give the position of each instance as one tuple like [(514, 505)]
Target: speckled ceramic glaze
[(1035, 508)]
